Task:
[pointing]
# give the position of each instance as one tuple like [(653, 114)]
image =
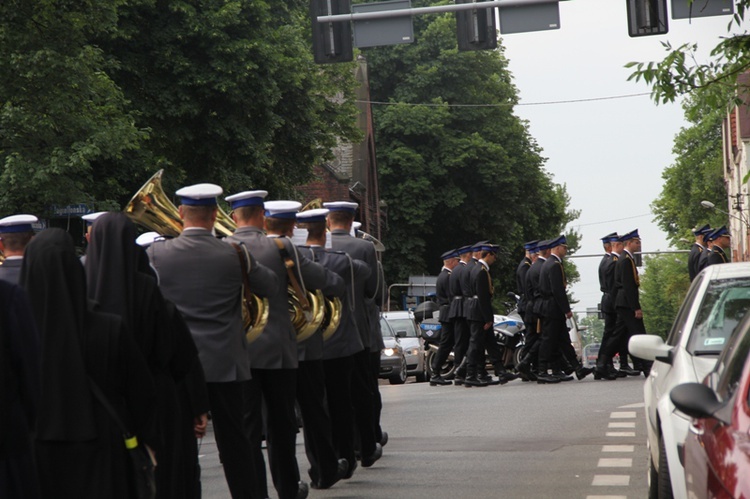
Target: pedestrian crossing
[(615, 465)]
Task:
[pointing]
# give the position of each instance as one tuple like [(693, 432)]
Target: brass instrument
[(307, 324), (151, 208)]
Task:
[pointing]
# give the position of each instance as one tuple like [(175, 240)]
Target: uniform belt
[(458, 297)]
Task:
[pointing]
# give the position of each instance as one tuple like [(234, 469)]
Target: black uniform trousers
[(532, 336), (445, 347), (338, 381), (493, 351), (235, 450), (554, 333), (462, 332), (476, 348), (377, 401), (311, 396), (363, 402), (610, 321), (277, 388), (627, 326)]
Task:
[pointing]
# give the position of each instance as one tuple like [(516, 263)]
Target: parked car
[(717, 447), (716, 301), (392, 358), (403, 323)]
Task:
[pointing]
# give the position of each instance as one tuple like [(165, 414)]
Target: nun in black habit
[(19, 393), (122, 283), (80, 450)]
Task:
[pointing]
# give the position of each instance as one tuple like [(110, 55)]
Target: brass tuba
[(151, 208)]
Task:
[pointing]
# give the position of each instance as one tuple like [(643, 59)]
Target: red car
[(716, 454)]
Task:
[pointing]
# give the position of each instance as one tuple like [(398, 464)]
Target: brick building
[(352, 174)]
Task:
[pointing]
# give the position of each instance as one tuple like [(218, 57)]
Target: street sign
[(684, 9), (532, 17), (70, 210), (386, 31)]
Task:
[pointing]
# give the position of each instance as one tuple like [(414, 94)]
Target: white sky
[(609, 153)]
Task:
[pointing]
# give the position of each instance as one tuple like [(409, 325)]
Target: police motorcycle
[(508, 332)]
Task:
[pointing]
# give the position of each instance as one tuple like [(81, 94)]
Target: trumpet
[(151, 208)]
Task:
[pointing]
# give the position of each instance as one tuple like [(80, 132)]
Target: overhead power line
[(610, 221), (504, 104)]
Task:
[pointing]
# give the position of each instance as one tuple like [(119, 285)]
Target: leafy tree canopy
[(456, 165), (663, 287)]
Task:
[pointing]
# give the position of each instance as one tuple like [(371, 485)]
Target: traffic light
[(476, 29), (647, 17), (332, 42)]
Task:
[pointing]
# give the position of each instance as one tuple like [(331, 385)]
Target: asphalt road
[(580, 439)]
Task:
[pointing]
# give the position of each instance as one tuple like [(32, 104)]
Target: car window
[(687, 305), (730, 365), (385, 329), (724, 304), (404, 325)]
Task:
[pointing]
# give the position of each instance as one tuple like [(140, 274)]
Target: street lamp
[(710, 206)]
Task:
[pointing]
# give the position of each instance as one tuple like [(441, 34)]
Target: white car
[(717, 300), (402, 321)]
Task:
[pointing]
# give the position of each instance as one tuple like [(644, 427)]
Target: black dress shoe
[(506, 376), (350, 469), (582, 372), (489, 380), (458, 381), (469, 382), (342, 469), (384, 438), (604, 374), (544, 378), (370, 460), (302, 490), (563, 376), (439, 381), (630, 372)]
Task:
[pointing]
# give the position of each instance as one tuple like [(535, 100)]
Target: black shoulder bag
[(141, 465)]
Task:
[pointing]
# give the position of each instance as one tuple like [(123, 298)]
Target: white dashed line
[(620, 434), (611, 481), (622, 415), (639, 405), (625, 424), (621, 462), (618, 448)]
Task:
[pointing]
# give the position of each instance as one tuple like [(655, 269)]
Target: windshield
[(385, 329), (404, 325), (723, 307)]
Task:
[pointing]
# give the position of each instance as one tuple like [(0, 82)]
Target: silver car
[(403, 323), (392, 359), (717, 300)]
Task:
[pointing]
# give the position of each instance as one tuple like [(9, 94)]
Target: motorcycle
[(508, 333)]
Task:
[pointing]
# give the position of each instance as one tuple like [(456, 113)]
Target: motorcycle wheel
[(446, 370), (517, 356)]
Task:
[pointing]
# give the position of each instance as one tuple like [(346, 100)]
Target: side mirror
[(650, 347), (401, 334), (695, 399)]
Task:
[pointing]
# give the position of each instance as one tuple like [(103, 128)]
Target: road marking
[(623, 462), (623, 414), (606, 497), (611, 480), (639, 405), (624, 424), (620, 434), (618, 448)]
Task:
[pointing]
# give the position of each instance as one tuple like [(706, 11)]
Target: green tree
[(62, 117), (456, 165), (594, 328), (663, 287), (696, 175), (230, 91), (680, 73)]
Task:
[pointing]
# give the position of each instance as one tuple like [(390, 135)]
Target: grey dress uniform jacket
[(202, 276), (312, 347), (276, 347), (367, 289), (10, 270)]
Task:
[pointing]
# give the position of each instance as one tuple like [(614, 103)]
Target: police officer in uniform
[(202, 276), (697, 249), (273, 355), (457, 284), (15, 233), (554, 310), (339, 349), (340, 219), (627, 303), (444, 297), (89, 219), (521, 270), (719, 241), (479, 311)]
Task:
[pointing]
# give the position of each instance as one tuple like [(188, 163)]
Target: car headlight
[(413, 351), (389, 352)]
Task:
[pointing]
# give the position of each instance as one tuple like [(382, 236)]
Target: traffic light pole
[(386, 14)]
